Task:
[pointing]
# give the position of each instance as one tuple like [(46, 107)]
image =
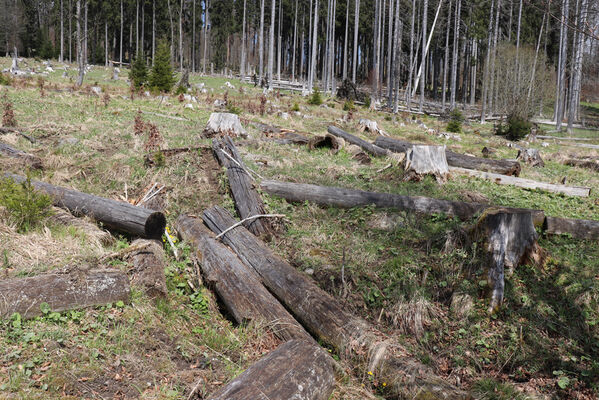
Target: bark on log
[(7, 129), (62, 292), (424, 160), (370, 126), (112, 213), (224, 124), (237, 285), (531, 157), (295, 370), (29, 159), (368, 147), (589, 164), (247, 200), (504, 167), (328, 320), (510, 238), (578, 228), (524, 183), (147, 271), (329, 141), (347, 198)]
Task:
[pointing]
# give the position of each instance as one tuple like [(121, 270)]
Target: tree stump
[(510, 239), (370, 126), (147, 271), (224, 124), (426, 160), (531, 157), (332, 142)]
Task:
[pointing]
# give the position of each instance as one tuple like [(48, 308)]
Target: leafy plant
[(26, 206), (349, 105), (516, 128), (455, 121), (316, 98), (162, 76), (295, 107), (139, 72), (180, 91)]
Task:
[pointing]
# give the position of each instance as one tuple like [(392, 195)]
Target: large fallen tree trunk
[(587, 163), (112, 213), (347, 198), (147, 271), (504, 167), (368, 147), (578, 228), (28, 159), (62, 292), (524, 183), (237, 285), (295, 370), (247, 200), (328, 320)]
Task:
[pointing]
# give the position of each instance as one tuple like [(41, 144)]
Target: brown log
[(295, 370), (237, 285), (62, 292), (366, 146), (7, 129), (27, 158), (112, 213), (347, 198), (524, 183), (588, 163), (328, 320), (328, 141), (578, 228), (510, 238), (247, 200), (147, 271), (504, 167)]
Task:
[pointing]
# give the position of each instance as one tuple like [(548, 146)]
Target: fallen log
[(114, 214), (62, 292), (29, 159), (578, 228), (368, 147), (588, 163), (237, 285), (295, 370), (565, 138), (523, 182), (247, 200), (147, 271), (328, 141), (347, 198), (504, 167), (91, 230), (328, 320), (7, 129)]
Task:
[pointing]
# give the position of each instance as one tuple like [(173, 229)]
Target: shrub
[(139, 72), (233, 109), (455, 121), (162, 76), (516, 128), (181, 90), (26, 207), (8, 115), (295, 107), (348, 105), (4, 80), (316, 98), (367, 102)]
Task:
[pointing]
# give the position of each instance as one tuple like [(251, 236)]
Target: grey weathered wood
[(368, 147), (112, 213), (62, 292), (504, 167), (578, 228), (237, 285), (29, 159), (510, 237), (224, 124), (8, 129), (147, 271), (347, 198), (565, 138), (524, 183), (426, 160), (328, 320), (588, 163), (247, 200), (531, 157), (295, 370)]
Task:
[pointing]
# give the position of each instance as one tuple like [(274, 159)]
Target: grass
[(398, 268)]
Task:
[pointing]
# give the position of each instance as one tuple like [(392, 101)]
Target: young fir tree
[(161, 76), (139, 72)]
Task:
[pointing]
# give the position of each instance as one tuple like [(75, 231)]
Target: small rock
[(545, 144), (65, 74), (67, 141), (96, 90), (229, 85), (284, 115), (219, 103), (189, 106), (187, 97), (309, 271)]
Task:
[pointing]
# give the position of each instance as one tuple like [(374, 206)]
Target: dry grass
[(414, 316)]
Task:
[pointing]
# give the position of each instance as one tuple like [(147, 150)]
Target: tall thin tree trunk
[(303, 51), (534, 64), (261, 40), (390, 54), (154, 28), (344, 74), (355, 53), (454, 61), (518, 43), (121, 46), (473, 72), (560, 98), (206, 20), (243, 45), (85, 35), (397, 35), (376, 52), (577, 67), (312, 72), (79, 46), (486, 69), (70, 32), (61, 59), (446, 61), (279, 42), (294, 43), (409, 88), (493, 90), (143, 19), (509, 30), (193, 37), (271, 45), (106, 43), (137, 27), (423, 62), (180, 37)]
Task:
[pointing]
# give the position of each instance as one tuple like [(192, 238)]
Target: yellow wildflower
[(369, 372)]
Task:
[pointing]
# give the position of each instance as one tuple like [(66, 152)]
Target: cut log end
[(155, 225)]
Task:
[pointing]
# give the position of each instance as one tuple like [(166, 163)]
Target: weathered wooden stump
[(224, 124), (295, 370), (332, 142), (62, 292), (531, 157), (368, 125), (147, 270), (426, 160)]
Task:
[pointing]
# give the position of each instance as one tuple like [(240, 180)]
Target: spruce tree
[(139, 72), (161, 76)]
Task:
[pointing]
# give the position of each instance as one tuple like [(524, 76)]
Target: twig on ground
[(248, 219), (245, 169)]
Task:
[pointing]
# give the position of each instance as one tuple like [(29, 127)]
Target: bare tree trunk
[(106, 43), (180, 37), (473, 72), (423, 62), (279, 42), (446, 61), (390, 55), (70, 32), (534, 65), (121, 41), (243, 45), (143, 19), (206, 21), (271, 45), (154, 28), (375, 53), (303, 51), (261, 41), (454, 61), (79, 45), (312, 72), (332, 52), (409, 88), (356, 23), (193, 37), (493, 90), (344, 74), (294, 42), (559, 99), (137, 27), (486, 70), (518, 43), (85, 55), (61, 59), (397, 35), (577, 66)]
